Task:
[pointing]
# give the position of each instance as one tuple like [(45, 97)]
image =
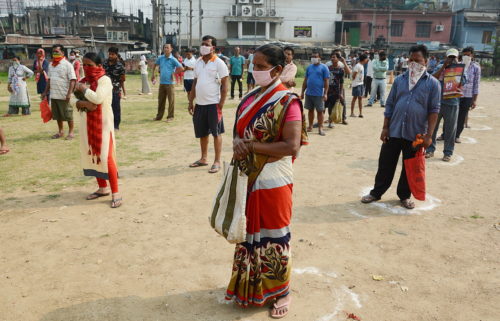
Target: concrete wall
[(467, 34)]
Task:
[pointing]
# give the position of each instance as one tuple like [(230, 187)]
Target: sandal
[(369, 199), (96, 195), (280, 311), (408, 204), (117, 202), (198, 163), (214, 169), (56, 136), (70, 137)]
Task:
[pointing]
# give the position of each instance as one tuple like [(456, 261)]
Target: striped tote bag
[(228, 211)]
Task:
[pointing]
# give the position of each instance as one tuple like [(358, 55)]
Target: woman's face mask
[(263, 77), (15, 63)]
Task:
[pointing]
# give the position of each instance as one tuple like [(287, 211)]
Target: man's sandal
[(280, 311), (408, 204), (369, 199), (198, 163), (214, 169), (96, 195)]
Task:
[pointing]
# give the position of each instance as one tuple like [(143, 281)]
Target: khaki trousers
[(166, 92)]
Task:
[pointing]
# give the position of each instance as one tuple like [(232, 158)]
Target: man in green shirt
[(236, 64), (380, 67)]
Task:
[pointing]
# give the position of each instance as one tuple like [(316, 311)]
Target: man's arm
[(47, 89), (192, 96), (153, 76), (325, 86), (475, 87), (71, 88), (304, 87), (223, 91)]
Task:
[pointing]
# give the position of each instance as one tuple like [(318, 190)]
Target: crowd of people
[(268, 132)]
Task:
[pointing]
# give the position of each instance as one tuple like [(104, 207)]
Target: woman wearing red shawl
[(97, 128), (40, 68), (268, 134)]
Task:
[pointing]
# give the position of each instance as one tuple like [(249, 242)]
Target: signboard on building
[(302, 31), (58, 30)]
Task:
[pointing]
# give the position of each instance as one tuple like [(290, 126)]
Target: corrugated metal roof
[(487, 17), (70, 41)]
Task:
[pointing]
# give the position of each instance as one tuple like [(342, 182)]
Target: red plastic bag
[(45, 111), (415, 174)]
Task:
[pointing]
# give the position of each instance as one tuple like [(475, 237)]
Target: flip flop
[(214, 169), (56, 136), (96, 195), (408, 204), (4, 151), (283, 307), (198, 163), (70, 137), (117, 202)]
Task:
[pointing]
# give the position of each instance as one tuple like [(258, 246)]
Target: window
[(254, 29), (487, 37), (423, 29), (370, 29), (397, 28)]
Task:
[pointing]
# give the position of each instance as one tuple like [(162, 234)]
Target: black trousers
[(465, 105), (387, 163), (240, 85), (115, 106), (368, 86)]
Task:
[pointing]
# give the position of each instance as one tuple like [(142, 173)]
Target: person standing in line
[(404, 64), (61, 84), (412, 108), (179, 77), (236, 65), (209, 90), (19, 97), (189, 64), (448, 111), (336, 86), (143, 67), (115, 70), (4, 149), (168, 67), (250, 79), (288, 74), (380, 67), (357, 85), (41, 70), (97, 139), (432, 64), (368, 80), (315, 91), (220, 54), (76, 64)]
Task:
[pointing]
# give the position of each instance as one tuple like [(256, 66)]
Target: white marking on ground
[(341, 296), (468, 140), (355, 213), (354, 296), (430, 203), (315, 271), (221, 298), (480, 127), (455, 160)]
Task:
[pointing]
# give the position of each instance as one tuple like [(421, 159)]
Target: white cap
[(452, 52)]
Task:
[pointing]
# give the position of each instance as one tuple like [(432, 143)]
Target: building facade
[(476, 28), (103, 6)]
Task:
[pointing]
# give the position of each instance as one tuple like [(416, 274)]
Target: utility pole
[(201, 19), (190, 42), (155, 27), (374, 21)]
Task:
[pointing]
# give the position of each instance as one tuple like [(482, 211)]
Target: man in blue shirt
[(168, 67), (316, 84), (412, 108), (236, 64)]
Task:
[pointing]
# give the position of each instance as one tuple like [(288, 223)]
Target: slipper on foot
[(214, 169), (283, 308), (4, 151), (96, 195), (198, 163)]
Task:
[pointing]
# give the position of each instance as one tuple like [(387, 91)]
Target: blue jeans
[(376, 84), (450, 115)]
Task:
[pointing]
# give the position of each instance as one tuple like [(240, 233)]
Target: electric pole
[(190, 44), (155, 27), (201, 20)]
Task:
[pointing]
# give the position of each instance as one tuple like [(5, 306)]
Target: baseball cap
[(452, 52)]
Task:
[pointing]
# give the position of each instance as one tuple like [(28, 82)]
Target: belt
[(380, 78)]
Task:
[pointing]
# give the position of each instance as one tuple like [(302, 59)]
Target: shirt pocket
[(212, 73)]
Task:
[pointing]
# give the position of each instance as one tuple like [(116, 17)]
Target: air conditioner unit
[(439, 27), (272, 13), (234, 10), (243, 1), (258, 1), (246, 11), (259, 12)]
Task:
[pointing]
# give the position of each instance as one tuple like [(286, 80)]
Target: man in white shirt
[(210, 91), (357, 85), (61, 83), (250, 79), (369, 75), (188, 64)]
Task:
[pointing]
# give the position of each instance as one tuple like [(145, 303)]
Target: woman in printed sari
[(97, 135), (268, 134), (18, 88), (41, 69)]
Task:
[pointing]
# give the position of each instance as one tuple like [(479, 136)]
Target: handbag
[(228, 210), (415, 174), (45, 111), (336, 116)]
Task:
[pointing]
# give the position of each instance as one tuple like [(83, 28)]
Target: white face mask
[(72, 57), (205, 50), (315, 61), (415, 71), (466, 60)]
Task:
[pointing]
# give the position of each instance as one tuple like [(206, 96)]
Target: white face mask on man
[(205, 50), (315, 61), (466, 60)]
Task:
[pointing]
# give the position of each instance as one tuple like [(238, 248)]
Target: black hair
[(291, 49), (72, 52), (58, 46), (382, 53), (113, 50), (189, 50), (16, 57), (315, 53), (420, 48), (275, 56), (208, 37), (362, 57), (468, 49), (94, 57), (336, 54)]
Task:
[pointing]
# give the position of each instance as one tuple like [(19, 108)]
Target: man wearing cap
[(448, 112)]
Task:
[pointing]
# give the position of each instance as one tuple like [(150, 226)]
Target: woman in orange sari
[(268, 134)]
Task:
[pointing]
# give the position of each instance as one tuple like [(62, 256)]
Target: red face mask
[(93, 72)]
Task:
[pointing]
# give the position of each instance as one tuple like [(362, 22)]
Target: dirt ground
[(156, 258)]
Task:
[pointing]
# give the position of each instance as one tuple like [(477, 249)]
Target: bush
[(301, 71)]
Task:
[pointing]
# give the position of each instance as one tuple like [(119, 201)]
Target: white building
[(254, 22)]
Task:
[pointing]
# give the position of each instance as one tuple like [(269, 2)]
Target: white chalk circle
[(480, 127), (455, 160), (430, 203), (468, 140)]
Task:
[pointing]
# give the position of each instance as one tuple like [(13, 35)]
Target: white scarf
[(415, 72)]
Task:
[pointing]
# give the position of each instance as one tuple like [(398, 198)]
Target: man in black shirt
[(115, 70)]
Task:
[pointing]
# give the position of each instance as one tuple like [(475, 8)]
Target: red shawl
[(94, 118)]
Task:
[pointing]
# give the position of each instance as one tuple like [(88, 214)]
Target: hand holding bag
[(45, 111)]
